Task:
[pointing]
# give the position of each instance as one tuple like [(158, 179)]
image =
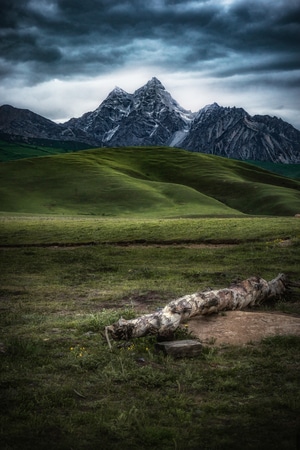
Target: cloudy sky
[(61, 58)]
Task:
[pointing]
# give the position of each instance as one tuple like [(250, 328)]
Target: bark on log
[(164, 322)]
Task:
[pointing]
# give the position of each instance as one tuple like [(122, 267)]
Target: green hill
[(12, 150), (147, 181)]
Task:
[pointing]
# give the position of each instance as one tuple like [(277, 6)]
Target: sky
[(61, 58)]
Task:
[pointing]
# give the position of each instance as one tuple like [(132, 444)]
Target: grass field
[(144, 182), (91, 236), (64, 278)]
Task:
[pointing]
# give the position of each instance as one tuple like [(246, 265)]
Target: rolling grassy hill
[(11, 150), (147, 181)]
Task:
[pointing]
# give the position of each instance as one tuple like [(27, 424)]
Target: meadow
[(63, 278)]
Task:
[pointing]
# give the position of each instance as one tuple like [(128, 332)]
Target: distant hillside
[(286, 170), (13, 148), (147, 181)]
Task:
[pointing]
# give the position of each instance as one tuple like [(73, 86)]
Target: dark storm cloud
[(229, 47), (63, 37)]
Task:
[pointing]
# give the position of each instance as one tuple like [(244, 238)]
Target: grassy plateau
[(86, 238)]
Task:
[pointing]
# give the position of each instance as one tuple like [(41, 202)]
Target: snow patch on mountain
[(107, 136), (178, 137)]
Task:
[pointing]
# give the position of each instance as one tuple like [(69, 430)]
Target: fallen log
[(163, 323)]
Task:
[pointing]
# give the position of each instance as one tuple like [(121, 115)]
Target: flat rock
[(180, 349)]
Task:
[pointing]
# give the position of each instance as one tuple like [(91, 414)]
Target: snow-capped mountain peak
[(155, 98), (208, 109), (154, 83), (118, 91)]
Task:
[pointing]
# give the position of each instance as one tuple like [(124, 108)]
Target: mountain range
[(151, 117)]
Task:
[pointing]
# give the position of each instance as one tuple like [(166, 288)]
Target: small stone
[(89, 333), (180, 349)]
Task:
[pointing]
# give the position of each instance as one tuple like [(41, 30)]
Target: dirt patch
[(242, 327), (137, 243), (142, 302), (178, 245)]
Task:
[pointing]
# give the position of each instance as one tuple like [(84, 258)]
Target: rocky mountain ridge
[(150, 116)]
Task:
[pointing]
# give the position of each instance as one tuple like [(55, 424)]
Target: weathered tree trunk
[(164, 322)]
